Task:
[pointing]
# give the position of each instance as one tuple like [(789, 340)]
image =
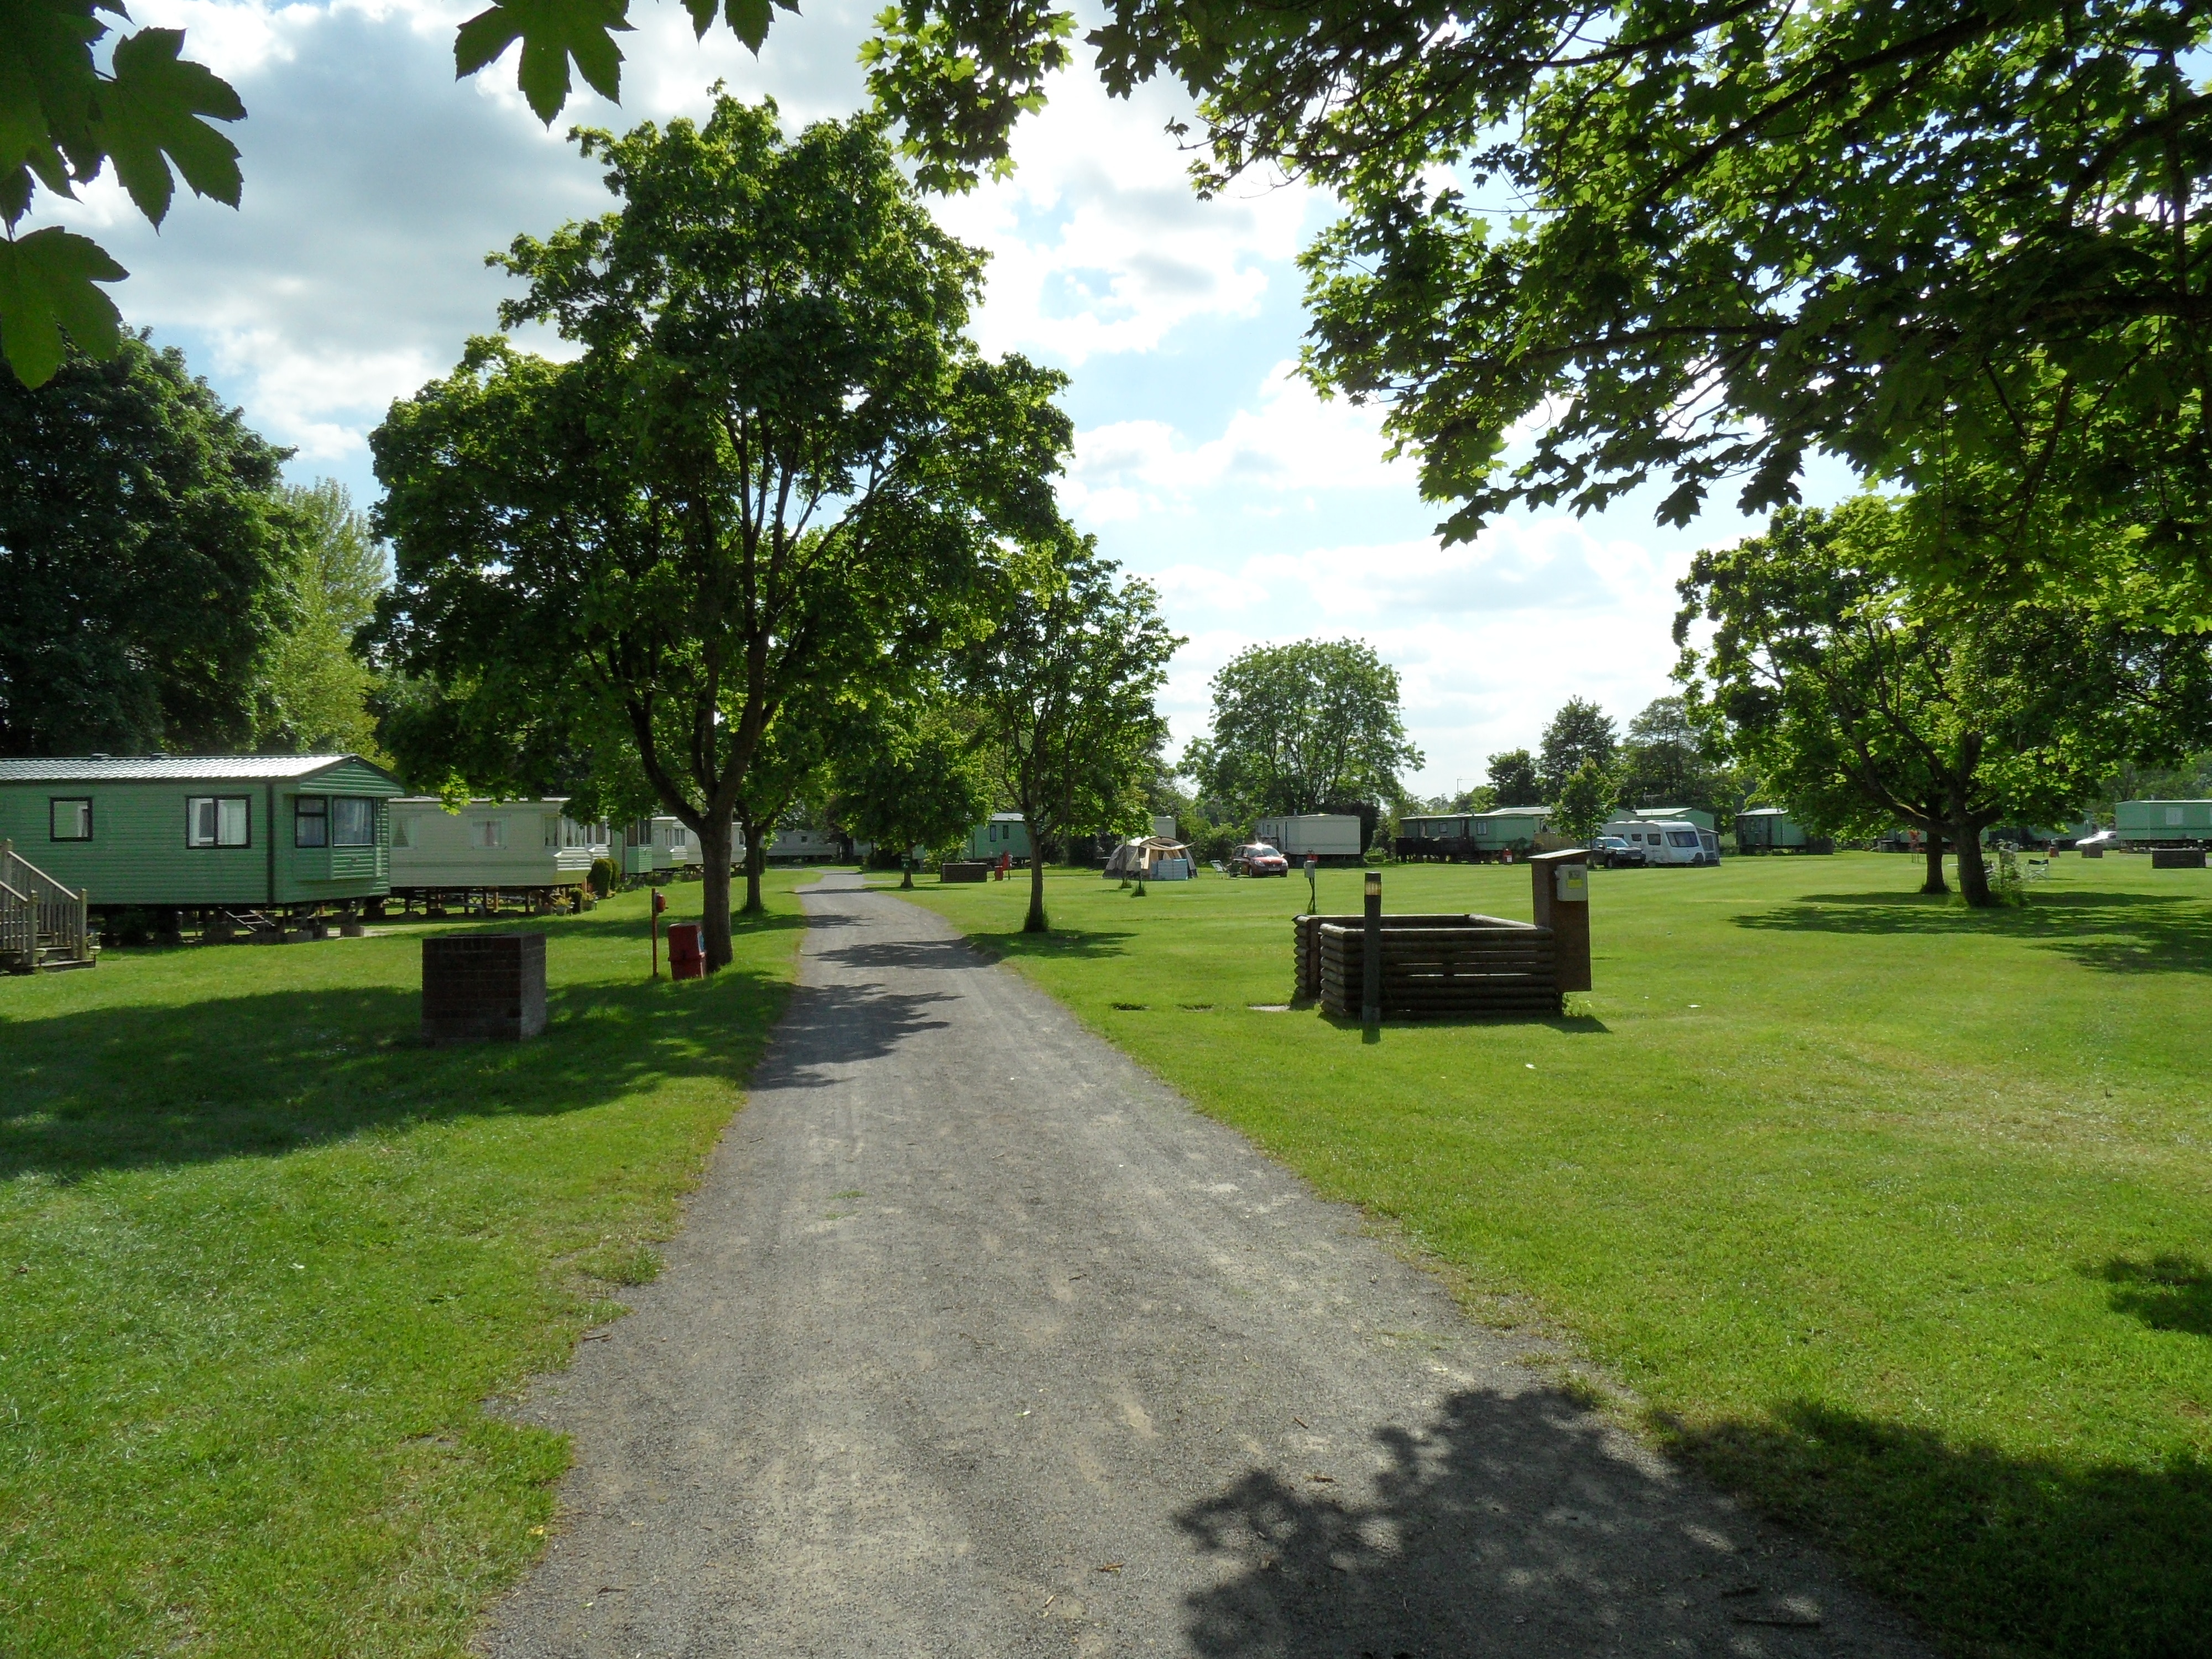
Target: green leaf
[(552, 31), (149, 116), (702, 16), (46, 287), (748, 20)]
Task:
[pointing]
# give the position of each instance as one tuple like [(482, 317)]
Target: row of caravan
[(531, 844), (278, 835)]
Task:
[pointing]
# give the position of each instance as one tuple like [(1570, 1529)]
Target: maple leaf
[(46, 287), (552, 31), (149, 116)]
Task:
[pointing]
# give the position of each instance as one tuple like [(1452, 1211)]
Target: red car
[(1258, 858)]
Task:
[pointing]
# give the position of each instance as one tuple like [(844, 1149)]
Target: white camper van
[(1667, 841)]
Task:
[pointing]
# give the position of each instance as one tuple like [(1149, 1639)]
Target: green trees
[(145, 557), (1580, 733), (915, 782), (1063, 690), (778, 466), (1662, 762), (1299, 726), (1865, 700), (318, 691), (1584, 801), (1514, 781), (1958, 248)]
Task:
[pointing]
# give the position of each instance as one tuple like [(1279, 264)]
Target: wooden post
[(1371, 954), (1561, 884)]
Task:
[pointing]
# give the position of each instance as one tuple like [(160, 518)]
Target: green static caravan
[(483, 849), (1003, 834), (1771, 829), (1477, 836), (664, 845), (205, 833), (2164, 822), (1696, 815)]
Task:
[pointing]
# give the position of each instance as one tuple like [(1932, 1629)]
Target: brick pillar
[(483, 987)]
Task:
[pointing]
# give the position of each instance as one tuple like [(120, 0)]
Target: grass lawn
[(262, 1257), (1892, 1215)]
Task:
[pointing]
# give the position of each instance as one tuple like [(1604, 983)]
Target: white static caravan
[(1667, 841), (486, 847), (1323, 834), (804, 846)]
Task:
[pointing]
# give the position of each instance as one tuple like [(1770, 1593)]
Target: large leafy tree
[(915, 779), (1301, 725), (1865, 700), (1961, 246), (778, 467), (1063, 689), (146, 560), (1580, 732), (1662, 762), (1514, 779), (318, 691)]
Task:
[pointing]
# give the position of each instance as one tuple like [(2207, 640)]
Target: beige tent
[(1146, 858)]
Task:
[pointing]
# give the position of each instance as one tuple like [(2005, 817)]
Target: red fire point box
[(685, 959)]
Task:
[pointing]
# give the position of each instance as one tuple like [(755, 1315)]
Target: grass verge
[(262, 1257), (1894, 1216)]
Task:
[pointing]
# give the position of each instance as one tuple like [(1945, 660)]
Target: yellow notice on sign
[(1570, 883)]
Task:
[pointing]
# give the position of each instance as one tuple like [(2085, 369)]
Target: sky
[(375, 184)]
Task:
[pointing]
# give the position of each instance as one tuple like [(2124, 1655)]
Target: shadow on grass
[(2006, 1554), (1565, 1024), (2115, 933), (261, 1075), (1097, 943), (2167, 1293)]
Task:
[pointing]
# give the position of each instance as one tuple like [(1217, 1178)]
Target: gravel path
[(978, 1341)]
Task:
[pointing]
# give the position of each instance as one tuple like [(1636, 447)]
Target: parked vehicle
[(1258, 858), (1616, 852), (1667, 841)]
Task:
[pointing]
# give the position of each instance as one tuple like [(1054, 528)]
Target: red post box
[(685, 959)]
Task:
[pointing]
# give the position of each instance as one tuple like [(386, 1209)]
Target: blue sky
[(375, 184)]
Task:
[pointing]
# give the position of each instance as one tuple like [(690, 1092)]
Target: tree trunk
[(1934, 884), (906, 874), (1973, 873), (714, 856), (1034, 922), (756, 857)]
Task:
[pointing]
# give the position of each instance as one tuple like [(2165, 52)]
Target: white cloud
[(1098, 243), (1293, 443), (1488, 639)]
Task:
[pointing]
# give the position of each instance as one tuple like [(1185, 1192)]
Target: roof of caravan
[(482, 800), (158, 769)]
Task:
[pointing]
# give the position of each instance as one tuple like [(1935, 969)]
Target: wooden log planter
[(1434, 967)]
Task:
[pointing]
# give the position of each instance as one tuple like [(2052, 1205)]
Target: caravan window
[(487, 835), (353, 821), (71, 819), (215, 821), (403, 832), (311, 822), (1682, 838)]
